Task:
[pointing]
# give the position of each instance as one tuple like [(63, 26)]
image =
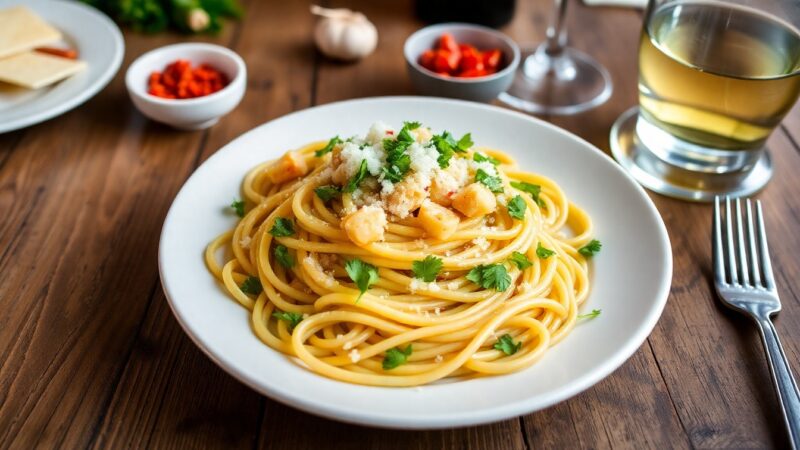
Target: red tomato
[(427, 58), (448, 42), (470, 59), (492, 58), (445, 61), (473, 73)]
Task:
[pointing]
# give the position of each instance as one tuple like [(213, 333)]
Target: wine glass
[(554, 78)]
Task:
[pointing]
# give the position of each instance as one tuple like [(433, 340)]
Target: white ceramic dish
[(99, 43), (631, 276), (193, 113)]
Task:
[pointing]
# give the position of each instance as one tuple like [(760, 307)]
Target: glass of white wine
[(716, 77)]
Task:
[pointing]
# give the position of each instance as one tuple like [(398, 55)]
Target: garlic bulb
[(344, 34)]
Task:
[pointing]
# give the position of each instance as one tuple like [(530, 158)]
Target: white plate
[(99, 43), (631, 275)]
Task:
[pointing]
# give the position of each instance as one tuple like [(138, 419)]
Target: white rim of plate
[(465, 418), (100, 82)]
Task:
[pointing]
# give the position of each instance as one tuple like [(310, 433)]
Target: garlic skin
[(344, 34)]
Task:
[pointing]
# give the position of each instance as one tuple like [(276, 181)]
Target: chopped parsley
[(480, 157), (357, 178), (252, 286), (516, 207), (533, 189), (282, 227), (329, 147), (495, 184), (520, 260), (542, 252), (591, 248), (283, 257), (327, 193), (507, 345), (591, 315), (396, 357), (490, 276), (427, 269), (291, 318), (363, 275), (447, 145), (398, 162), (238, 207)]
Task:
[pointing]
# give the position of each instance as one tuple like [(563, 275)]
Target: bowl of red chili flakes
[(187, 86)]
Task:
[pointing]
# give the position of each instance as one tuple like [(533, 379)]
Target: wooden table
[(92, 356)]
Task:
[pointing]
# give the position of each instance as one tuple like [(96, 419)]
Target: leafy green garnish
[(520, 260), (516, 207), (591, 248), (396, 357), (327, 193), (533, 189), (398, 162), (490, 276), (291, 318), (238, 206), (357, 178), (480, 157), (411, 125), (506, 345), (251, 285), (427, 269), (282, 227), (283, 257), (464, 143), (542, 252), (591, 315), (447, 145), (329, 147), (495, 184), (363, 275)]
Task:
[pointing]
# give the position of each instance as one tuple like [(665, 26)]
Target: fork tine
[(729, 238), (716, 246), (769, 279), (744, 267), (751, 239)]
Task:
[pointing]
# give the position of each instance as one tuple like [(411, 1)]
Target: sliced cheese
[(21, 29), (34, 69)]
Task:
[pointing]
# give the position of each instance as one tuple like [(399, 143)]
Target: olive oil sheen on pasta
[(716, 75)]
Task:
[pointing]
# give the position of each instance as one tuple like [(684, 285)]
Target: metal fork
[(744, 281)]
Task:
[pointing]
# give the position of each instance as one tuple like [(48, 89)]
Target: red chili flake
[(179, 80)]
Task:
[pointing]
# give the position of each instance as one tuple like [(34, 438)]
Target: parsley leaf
[(591, 248), (464, 143), (238, 206), (490, 276), (591, 315), (533, 189), (495, 184), (520, 260), (542, 252), (516, 207), (283, 257), (398, 162), (506, 345), (283, 227), (427, 269), (480, 157), (411, 125), (396, 357), (363, 275), (292, 318), (327, 193), (251, 285), (328, 148), (444, 144), (356, 179)]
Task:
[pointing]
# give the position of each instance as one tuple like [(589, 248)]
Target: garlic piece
[(344, 34)]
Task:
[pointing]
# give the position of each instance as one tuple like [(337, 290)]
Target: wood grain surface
[(91, 357)]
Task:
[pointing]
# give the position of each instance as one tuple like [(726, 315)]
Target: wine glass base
[(658, 176), (569, 83)]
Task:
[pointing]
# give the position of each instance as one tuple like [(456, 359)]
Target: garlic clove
[(344, 34)]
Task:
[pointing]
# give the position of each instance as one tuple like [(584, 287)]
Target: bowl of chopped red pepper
[(188, 86), (461, 60)]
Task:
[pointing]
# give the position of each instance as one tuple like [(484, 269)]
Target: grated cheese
[(354, 355)]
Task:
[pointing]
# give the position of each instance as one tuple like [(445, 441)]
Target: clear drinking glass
[(715, 79), (554, 78)]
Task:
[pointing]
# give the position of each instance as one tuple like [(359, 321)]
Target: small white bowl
[(193, 113)]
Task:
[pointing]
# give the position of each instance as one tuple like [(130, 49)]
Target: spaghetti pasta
[(402, 308)]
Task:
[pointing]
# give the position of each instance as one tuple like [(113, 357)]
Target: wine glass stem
[(556, 34)]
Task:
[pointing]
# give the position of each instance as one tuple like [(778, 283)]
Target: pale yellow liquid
[(718, 76)]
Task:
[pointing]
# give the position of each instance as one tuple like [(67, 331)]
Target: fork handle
[(785, 384)]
